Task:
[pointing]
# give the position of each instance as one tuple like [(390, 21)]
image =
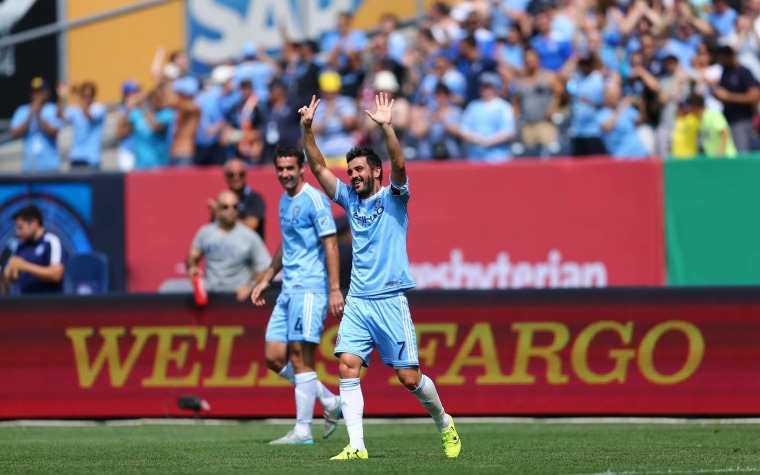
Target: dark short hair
[(28, 213), (442, 88), (373, 159), (289, 151), (695, 100)]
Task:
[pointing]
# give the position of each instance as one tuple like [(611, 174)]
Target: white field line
[(414, 420), (679, 472)]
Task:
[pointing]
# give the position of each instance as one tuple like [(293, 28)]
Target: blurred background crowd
[(477, 80)]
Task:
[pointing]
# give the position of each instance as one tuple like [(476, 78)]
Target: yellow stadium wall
[(110, 51)]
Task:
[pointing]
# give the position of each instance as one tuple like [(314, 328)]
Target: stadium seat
[(86, 274)]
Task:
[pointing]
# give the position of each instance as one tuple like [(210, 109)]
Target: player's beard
[(366, 187)]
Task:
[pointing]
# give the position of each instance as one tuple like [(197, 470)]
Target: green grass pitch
[(398, 447)]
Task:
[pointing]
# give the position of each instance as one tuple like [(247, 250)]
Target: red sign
[(579, 353), (592, 223)]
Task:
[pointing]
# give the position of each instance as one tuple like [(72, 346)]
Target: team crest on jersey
[(378, 204), (39, 250), (296, 211)]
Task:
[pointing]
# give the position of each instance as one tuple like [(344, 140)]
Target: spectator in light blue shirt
[(586, 90), (38, 123), (335, 120), (506, 13), (254, 69), (149, 125), (618, 120), (87, 121), (723, 18), (510, 49), (488, 123), (338, 45)]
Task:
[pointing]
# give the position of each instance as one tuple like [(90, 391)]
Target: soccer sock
[(306, 395), (288, 373), (427, 395), (326, 398), (352, 402)]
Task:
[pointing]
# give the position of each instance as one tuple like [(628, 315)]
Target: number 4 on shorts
[(298, 326)]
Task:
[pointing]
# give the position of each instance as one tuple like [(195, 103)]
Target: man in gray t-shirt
[(234, 254)]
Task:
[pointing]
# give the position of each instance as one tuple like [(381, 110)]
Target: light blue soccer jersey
[(379, 227), (304, 220)]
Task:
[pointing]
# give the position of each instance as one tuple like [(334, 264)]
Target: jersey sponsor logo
[(367, 220), (39, 250)]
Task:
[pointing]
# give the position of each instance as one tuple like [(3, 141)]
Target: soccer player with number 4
[(376, 313), (310, 285)]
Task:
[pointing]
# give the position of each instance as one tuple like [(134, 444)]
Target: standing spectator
[(37, 264), (506, 14), (706, 74), (125, 154), (674, 88), (435, 129), (335, 122), (280, 124), (395, 39), (586, 90), (305, 80), (553, 49), (685, 139), (343, 43), (147, 121), (444, 28), (212, 119), (723, 18), (257, 68), (510, 51), (38, 123), (235, 256), (251, 208), (488, 123), (538, 93), (472, 64), (181, 98), (87, 120), (617, 120), (714, 131), (442, 73), (739, 92)]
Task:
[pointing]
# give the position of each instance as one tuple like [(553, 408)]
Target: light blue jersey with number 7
[(379, 227)]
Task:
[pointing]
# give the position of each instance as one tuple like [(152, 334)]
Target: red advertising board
[(594, 223), (582, 352)]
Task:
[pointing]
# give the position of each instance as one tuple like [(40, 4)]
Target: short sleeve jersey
[(46, 251), (304, 220), (379, 226), (230, 256)]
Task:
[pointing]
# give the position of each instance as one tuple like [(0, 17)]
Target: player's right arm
[(325, 177), (266, 278), (192, 263)]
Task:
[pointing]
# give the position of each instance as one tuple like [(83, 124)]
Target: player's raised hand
[(383, 109), (307, 112), (258, 292)]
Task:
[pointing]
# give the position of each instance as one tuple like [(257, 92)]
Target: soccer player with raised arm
[(311, 283), (376, 313)]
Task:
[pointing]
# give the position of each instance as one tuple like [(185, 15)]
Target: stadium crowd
[(484, 80)]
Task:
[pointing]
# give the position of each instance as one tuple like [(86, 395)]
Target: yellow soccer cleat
[(452, 444), (350, 453)]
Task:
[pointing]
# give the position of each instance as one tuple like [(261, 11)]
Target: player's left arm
[(332, 260), (383, 116)]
